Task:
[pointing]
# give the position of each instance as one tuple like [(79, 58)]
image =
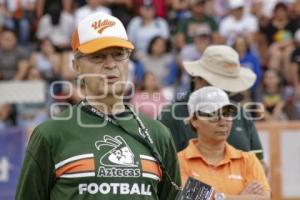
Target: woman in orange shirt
[(233, 174)]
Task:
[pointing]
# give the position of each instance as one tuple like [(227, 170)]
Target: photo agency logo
[(67, 90)]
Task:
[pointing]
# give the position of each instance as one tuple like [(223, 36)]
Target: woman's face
[(150, 82), (271, 79), (202, 42), (213, 129), (147, 12), (159, 46), (240, 45), (280, 14)]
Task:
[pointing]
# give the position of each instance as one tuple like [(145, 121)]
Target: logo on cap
[(101, 25)]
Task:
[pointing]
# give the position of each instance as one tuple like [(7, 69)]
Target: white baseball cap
[(99, 31), (208, 100), (219, 65)]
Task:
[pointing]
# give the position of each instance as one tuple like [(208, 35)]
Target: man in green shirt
[(219, 66), (100, 148), (187, 28)]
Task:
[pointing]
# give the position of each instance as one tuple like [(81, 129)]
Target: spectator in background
[(295, 12), (179, 10), (191, 52), (19, 16), (44, 5), (238, 22), (13, 59), (7, 116), (295, 73), (142, 28), (188, 27), (272, 97), (57, 26), (279, 34), (149, 98), (202, 38), (160, 7), (91, 7), (249, 59), (159, 61), (47, 61), (122, 9), (236, 174), (29, 115)]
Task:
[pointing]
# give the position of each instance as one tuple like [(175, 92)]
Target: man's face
[(104, 72)]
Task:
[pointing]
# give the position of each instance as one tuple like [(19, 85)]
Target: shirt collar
[(192, 152)]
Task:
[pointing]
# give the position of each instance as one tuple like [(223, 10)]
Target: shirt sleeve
[(166, 190), (255, 172), (37, 173), (183, 167)]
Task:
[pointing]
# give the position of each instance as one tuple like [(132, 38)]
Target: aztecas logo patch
[(120, 154), (119, 159), (101, 25)]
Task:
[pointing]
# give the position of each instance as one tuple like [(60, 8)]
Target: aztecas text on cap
[(208, 100), (99, 31)]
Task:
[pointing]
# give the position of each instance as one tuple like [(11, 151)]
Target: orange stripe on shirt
[(84, 165), (152, 167)]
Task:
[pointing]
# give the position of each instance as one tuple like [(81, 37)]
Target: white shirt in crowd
[(230, 27), (59, 34), (87, 10), (141, 35)]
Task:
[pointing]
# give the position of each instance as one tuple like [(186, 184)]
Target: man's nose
[(109, 61)]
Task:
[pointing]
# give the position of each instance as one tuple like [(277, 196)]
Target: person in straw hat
[(219, 66), (236, 174), (100, 148)]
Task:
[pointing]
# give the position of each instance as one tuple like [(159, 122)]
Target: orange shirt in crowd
[(230, 176)]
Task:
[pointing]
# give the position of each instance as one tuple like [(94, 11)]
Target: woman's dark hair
[(154, 39), (55, 12), (280, 5)]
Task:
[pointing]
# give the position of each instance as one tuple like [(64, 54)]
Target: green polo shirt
[(189, 26)]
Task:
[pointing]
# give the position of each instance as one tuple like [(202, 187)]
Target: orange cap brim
[(99, 44)]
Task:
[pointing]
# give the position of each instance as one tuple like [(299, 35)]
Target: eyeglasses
[(227, 115), (100, 57)]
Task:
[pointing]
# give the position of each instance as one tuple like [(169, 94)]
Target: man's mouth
[(112, 78)]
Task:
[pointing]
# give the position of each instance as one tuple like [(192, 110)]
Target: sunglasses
[(226, 114)]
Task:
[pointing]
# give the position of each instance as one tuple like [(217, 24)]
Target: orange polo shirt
[(230, 176)]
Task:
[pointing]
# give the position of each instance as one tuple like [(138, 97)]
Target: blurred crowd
[(35, 45)]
